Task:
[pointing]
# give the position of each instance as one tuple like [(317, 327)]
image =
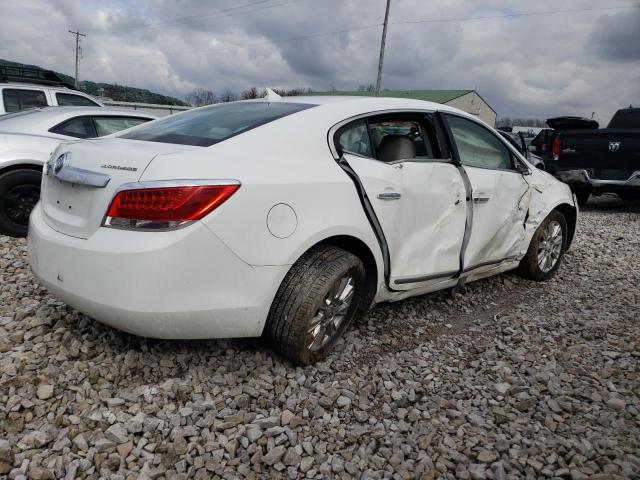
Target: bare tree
[(201, 96), (292, 92), (228, 96), (252, 93)]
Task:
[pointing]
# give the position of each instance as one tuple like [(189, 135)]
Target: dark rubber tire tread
[(11, 179), (300, 293), (528, 267)]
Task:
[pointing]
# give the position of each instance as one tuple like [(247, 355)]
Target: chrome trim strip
[(425, 278), (174, 183), (80, 176)]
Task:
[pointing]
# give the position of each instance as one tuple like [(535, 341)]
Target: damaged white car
[(284, 217)]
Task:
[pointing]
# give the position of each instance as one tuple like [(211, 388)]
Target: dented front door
[(500, 201)]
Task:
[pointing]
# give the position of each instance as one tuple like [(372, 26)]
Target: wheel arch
[(26, 165), (361, 250), (570, 213)]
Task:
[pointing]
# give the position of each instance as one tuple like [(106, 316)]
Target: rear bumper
[(184, 284), (581, 177)]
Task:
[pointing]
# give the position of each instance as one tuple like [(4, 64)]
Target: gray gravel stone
[(507, 379)]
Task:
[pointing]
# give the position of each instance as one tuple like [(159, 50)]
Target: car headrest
[(396, 147)]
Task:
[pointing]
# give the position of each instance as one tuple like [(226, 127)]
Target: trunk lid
[(76, 208)]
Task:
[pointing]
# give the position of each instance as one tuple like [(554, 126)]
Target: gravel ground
[(510, 379)]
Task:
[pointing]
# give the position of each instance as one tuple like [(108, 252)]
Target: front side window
[(19, 99), (209, 125), (78, 127), (477, 146), (108, 125), (71, 100)]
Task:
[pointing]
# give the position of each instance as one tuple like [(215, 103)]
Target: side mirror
[(522, 169)]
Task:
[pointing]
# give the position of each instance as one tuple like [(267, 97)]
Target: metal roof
[(437, 96)]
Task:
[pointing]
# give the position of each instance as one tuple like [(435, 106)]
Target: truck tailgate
[(599, 149)]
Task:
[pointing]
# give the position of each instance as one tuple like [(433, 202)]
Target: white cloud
[(537, 65)]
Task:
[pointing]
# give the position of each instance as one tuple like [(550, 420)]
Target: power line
[(197, 18), (364, 27), (253, 44), (511, 15)]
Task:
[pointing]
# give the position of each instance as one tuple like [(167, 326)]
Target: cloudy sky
[(583, 58)]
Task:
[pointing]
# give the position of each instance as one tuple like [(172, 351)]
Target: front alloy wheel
[(550, 246), (546, 249), (316, 302)]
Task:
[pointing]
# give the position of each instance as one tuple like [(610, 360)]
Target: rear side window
[(19, 99), (390, 138), (71, 100), (477, 146), (78, 127), (209, 125), (108, 125)]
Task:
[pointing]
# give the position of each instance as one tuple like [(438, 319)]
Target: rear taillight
[(154, 207), (557, 145)]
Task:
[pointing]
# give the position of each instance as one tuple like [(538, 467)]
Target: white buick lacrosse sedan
[(285, 217)]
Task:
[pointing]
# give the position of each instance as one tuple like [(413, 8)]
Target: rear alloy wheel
[(546, 250), (19, 193), (315, 304)]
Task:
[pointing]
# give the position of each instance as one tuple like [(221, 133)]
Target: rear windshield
[(206, 126), (628, 119)]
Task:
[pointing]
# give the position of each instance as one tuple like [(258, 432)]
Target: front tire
[(19, 193), (546, 249), (316, 302)]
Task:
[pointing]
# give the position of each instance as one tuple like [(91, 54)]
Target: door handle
[(389, 196), (480, 199)]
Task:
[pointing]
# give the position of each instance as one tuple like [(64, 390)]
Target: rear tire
[(19, 193), (315, 304), (546, 249)]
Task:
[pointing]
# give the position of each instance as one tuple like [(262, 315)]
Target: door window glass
[(79, 127), (109, 125), (397, 139), (354, 139), (70, 100), (477, 146)]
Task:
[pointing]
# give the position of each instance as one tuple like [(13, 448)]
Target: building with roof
[(469, 101)]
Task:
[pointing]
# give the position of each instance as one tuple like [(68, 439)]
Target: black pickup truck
[(597, 161)]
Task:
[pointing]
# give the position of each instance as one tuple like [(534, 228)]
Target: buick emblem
[(614, 146), (55, 167)]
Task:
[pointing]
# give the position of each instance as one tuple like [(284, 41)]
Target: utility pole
[(382, 45), (78, 51)]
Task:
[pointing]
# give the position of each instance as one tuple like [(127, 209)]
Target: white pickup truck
[(15, 97)]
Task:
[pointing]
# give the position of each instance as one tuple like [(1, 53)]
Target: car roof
[(38, 121), (37, 86)]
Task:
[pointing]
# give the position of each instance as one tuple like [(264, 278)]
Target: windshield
[(209, 125)]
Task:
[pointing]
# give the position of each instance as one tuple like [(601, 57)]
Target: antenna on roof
[(272, 96)]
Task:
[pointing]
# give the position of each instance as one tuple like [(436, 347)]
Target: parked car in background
[(597, 161), (284, 217), (27, 140), (15, 97), (518, 140), (540, 142)]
